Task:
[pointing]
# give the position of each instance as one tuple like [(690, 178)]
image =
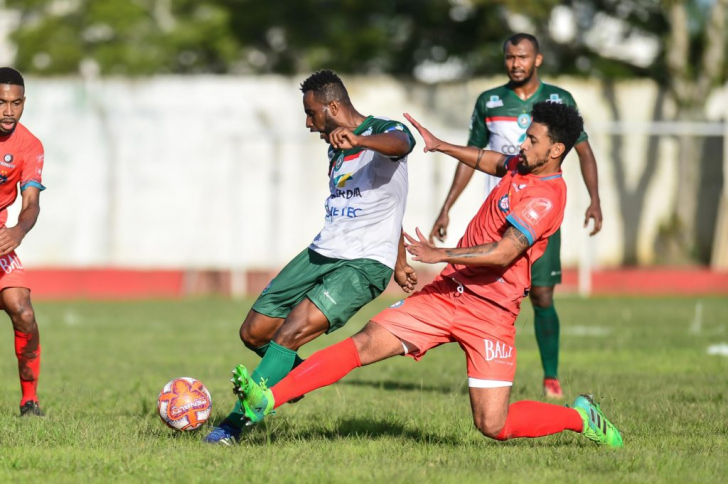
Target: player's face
[(537, 150), (12, 102), (318, 118), (521, 62)]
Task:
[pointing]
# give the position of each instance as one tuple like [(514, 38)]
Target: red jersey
[(21, 163), (532, 204)]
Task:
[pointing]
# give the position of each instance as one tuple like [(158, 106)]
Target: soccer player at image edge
[(21, 164)]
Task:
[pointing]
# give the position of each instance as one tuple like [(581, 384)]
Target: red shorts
[(12, 273), (445, 312)]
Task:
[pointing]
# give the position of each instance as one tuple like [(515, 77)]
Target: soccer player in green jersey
[(499, 122), (353, 258)]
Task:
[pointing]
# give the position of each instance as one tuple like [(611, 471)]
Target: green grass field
[(646, 360)]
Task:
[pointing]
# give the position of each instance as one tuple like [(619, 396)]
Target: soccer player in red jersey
[(475, 300), (21, 164)]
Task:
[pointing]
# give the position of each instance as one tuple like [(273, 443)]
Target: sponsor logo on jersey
[(509, 149), (494, 102), (495, 350), (524, 121), (266, 288), (7, 161), (518, 188), (341, 180), (344, 212), (368, 132), (554, 98), (347, 194), (397, 304), (504, 203), (339, 161), (536, 209)]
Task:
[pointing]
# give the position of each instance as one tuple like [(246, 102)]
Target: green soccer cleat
[(596, 425), (256, 398)]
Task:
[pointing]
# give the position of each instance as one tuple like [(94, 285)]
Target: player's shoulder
[(494, 97), (26, 138), (556, 94), (381, 124)]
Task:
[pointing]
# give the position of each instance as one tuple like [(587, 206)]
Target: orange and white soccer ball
[(184, 404)]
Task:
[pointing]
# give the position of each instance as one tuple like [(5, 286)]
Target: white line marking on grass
[(586, 330), (720, 349), (697, 325)]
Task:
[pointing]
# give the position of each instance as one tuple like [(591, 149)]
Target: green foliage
[(395, 421)]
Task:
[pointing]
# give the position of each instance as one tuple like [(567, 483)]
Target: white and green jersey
[(368, 196), (500, 119)]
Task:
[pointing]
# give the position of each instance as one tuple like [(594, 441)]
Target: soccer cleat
[(596, 425), (31, 409), (225, 434), (552, 389), (256, 398)]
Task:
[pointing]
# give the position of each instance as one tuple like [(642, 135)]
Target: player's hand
[(10, 239), (439, 230), (431, 142), (406, 277), (594, 212), (343, 139), (422, 250)]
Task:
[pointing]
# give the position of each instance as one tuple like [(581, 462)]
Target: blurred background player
[(21, 163), (476, 299), (499, 122), (351, 261)]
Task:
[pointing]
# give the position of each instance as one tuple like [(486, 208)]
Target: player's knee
[(542, 297), (251, 338), (489, 426), (23, 316)]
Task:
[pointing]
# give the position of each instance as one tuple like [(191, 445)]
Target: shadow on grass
[(408, 387)]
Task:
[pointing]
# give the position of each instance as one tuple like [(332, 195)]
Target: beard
[(524, 81), (525, 167)]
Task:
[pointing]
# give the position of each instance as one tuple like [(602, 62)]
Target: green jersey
[(500, 119)]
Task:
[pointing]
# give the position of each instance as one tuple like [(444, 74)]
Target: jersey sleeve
[(478, 134), (569, 101), (538, 213), (391, 126), (32, 171)]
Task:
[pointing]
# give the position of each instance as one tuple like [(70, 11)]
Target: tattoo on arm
[(470, 252), (520, 241)]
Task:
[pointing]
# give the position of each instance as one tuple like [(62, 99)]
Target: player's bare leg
[(490, 409), (546, 327), (16, 302)]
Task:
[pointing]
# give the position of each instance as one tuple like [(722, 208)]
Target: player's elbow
[(504, 259)]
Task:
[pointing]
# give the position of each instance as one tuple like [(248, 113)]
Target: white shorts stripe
[(477, 383)]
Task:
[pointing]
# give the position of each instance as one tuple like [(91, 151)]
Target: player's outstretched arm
[(11, 237), (487, 161), (395, 144), (501, 253), (588, 165)]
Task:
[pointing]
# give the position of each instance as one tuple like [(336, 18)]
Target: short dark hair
[(517, 38), (563, 122), (326, 86), (8, 75)]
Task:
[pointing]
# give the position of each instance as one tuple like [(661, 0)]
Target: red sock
[(319, 370), (537, 419), (27, 350)]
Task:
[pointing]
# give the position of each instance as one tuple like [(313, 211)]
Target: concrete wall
[(220, 172)]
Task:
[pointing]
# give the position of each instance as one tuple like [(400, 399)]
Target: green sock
[(235, 418), (275, 365), (546, 326)]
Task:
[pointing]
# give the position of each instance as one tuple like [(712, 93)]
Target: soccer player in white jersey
[(353, 258), (499, 122)]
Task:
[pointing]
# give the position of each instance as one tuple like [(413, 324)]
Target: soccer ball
[(184, 404)]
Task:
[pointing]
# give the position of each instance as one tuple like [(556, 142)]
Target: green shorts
[(546, 271), (339, 288)]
